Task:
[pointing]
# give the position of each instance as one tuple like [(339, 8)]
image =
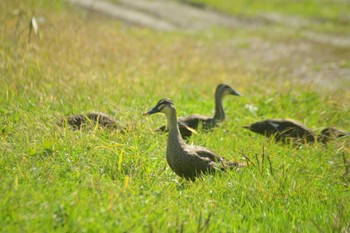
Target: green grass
[(55, 179), (324, 15), (322, 9)]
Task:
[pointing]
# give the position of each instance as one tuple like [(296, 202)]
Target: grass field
[(325, 14), (308, 8), (97, 180)]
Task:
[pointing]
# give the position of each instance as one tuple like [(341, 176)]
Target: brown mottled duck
[(188, 161), (186, 124), (285, 130), (92, 118)]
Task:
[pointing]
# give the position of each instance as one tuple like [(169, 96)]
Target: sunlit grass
[(324, 9), (324, 15), (55, 179)]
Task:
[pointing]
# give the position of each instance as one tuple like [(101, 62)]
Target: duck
[(188, 161), (189, 124), (286, 130), (82, 120)]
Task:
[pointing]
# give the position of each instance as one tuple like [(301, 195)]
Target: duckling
[(284, 130), (186, 124), (81, 120), (187, 161)]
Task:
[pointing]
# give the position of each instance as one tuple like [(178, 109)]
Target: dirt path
[(164, 15), (168, 15), (301, 58)]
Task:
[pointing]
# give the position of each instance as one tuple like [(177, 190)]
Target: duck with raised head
[(285, 130), (190, 124), (92, 118), (187, 161)]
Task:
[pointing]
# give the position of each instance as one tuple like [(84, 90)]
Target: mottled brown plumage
[(186, 124), (82, 120), (187, 161), (288, 130), (330, 133)]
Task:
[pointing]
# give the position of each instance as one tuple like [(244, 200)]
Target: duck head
[(331, 133), (164, 106), (226, 90)]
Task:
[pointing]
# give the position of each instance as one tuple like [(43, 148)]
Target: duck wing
[(207, 158), (193, 120), (185, 130), (205, 153), (292, 129), (187, 125)]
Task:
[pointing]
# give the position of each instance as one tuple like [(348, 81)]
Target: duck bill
[(233, 92), (152, 111)]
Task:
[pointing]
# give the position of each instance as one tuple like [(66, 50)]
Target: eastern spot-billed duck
[(186, 124), (188, 161), (284, 130), (92, 118)]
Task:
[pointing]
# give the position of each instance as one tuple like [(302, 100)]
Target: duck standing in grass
[(284, 130), (188, 161), (186, 124)]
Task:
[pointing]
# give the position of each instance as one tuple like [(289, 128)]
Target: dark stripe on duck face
[(160, 106), (164, 103), (227, 90), (231, 91)]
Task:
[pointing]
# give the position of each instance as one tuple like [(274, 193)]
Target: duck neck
[(219, 110), (174, 132)]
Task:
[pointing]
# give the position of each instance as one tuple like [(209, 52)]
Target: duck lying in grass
[(188, 161), (90, 119), (285, 130), (190, 124)]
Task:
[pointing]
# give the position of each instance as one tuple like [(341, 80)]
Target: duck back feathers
[(283, 130)]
